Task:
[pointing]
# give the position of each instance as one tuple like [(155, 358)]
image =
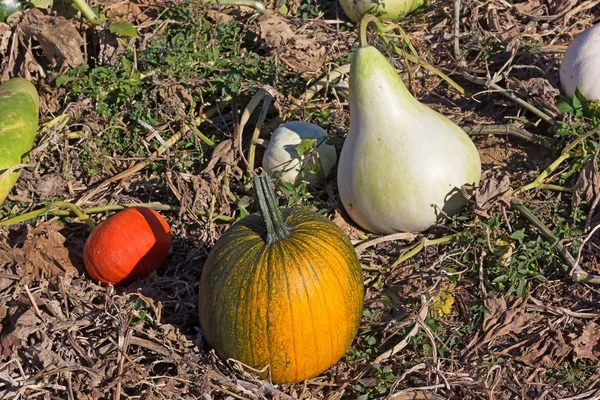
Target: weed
[(208, 60), (575, 376)]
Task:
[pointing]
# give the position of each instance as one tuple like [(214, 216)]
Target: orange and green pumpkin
[(281, 291)]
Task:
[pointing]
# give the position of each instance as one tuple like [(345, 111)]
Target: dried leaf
[(548, 350), (24, 325), (299, 51), (44, 254), (222, 152), (491, 192), (588, 184), (502, 321), (588, 344), (274, 30), (531, 7), (61, 43)]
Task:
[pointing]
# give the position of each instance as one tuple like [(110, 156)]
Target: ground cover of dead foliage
[(436, 326)]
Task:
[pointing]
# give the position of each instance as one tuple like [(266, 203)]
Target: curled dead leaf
[(588, 184), (491, 192)]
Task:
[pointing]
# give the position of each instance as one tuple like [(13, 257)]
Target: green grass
[(210, 62)]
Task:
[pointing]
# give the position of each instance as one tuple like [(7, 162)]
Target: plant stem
[(362, 28), (416, 60), (545, 173), (556, 188), (311, 92), (565, 155), (269, 209), (416, 248), (257, 5), (488, 83), (77, 211), (26, 217), (66, 211), (87, 12), (457, 52), (259, 123), (481, 130), (267, 93), (199, 134)]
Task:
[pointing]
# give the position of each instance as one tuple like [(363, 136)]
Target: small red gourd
[(127, 246)]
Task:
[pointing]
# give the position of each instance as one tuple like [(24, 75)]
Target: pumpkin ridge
[(296, 245), (211, 312), (236, 317), (249, 248), (215, 282), (317, 245), (253, 273), (324, 264), (298, 257), (268, 307), (253, 335), (341, 261), (284, 270)]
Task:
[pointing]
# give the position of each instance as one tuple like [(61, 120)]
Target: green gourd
[(19, 109)]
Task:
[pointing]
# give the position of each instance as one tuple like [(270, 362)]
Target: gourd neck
[(362, 28), (269, 209)]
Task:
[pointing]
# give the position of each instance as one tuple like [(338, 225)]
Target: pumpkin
[(127, 246), (281, 292), (580, 66)]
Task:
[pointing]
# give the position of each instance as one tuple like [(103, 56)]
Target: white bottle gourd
[(384, 9), (580, 68), (402, 164), (281, 154)]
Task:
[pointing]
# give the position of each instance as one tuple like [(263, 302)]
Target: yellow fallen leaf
[(444, 301)]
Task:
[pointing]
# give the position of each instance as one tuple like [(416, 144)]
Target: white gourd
[(581, 65), (281, 154), (384, 9), (402, 164)]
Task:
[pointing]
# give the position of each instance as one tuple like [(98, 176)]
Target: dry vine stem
[(265, 94), (565, 154), (491, 83), (360, 247), (482, 130), (64, 209)]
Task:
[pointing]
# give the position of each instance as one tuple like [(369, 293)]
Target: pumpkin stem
[(276, 227)]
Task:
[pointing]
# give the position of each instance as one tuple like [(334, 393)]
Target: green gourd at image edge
[(384, 9), (19, 109), (402, 164)]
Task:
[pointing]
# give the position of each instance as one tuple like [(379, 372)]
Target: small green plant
[(378, 385), (575, 376), (579, 106)]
